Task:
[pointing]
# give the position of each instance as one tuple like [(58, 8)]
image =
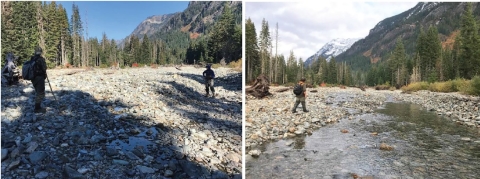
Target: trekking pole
[(51, 89)]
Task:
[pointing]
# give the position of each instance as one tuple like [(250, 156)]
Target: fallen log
[(260, 88), (282, 90)]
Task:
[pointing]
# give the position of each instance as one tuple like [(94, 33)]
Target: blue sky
[(119, 18)]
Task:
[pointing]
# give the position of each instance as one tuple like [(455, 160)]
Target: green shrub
[(475, 86)]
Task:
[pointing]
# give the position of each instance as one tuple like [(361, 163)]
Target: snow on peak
[(332, 49)]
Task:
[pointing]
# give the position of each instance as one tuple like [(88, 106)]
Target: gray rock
[(31, 147), (37, 156), (111, 151), (4, 153), (41, 175), (13, 164), (254, 153), (315, 120), (289, 143), (131, 156), (144, 169), (168, 173), (120, 162), (72, 174)]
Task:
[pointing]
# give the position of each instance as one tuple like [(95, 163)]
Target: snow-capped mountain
[(332, 48)]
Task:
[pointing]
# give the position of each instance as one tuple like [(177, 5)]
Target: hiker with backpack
[(300, 91), (36, 71), (208, 74)]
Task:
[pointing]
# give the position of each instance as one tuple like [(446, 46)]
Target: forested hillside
[(205, 31), (262, 58)]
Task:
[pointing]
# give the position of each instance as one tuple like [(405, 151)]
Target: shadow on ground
[(82, 137)]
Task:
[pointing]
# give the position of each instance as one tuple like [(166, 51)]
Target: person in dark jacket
[(209, 75), (301, 97), (39, 80)]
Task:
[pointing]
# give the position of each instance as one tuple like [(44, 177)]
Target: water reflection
[(426, 145)]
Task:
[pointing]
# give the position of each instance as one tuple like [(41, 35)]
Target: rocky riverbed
[(127, 123), (271, 118)]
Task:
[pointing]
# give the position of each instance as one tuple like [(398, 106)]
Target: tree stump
[(260, 88)]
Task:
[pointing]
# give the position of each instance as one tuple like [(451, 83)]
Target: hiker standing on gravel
[(39, 80), (300, 91), (209, 75)]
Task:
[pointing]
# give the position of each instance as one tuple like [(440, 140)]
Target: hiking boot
[(305, 111), (294, 111), (39, 109), (206, 95), (213, 95)]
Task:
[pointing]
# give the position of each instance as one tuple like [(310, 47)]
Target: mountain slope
[(150, 25), (332, 49), (446, 16)]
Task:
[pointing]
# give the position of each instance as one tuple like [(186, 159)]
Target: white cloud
[(305, 27)]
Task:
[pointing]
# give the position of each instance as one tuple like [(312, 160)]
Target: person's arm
[(44, 66), (305, 89), (213, 74)]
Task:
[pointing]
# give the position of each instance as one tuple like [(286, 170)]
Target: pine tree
[(470, 45), (265, 44), (251, 51)]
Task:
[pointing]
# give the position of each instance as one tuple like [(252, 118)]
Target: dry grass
[(382, 87), (417, 86), (384, 146), (236, 65), (153, 65)]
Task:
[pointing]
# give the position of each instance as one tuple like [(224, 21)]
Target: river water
[(425, 145)]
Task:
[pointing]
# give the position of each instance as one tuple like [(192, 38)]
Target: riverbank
[(271, 118), (135, 123)]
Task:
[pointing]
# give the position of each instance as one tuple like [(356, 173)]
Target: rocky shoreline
[(271, 119), (127, 123)]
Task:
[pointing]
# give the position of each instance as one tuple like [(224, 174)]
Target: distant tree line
[(27, 24), (281, 70)]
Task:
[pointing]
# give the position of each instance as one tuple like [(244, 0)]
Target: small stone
[(41, 175), (135, 131), (31, 147), (72, 174), (291, 129), (111, 151), (467, 139), (168, 173), (120, 162), (254, 153), (83, 170), (13, 165), (4, 153), (39, 127), (144, 169), (64, 145), (315, 120), (37, 156), (234, 157), (132, 156), (148, 159)]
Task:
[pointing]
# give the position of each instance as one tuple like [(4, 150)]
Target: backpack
[(29, 68), (298, 89)]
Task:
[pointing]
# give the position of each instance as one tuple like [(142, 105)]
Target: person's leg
[(211, 88), (206, 88), (39, 85), (302, 100), (297, 102)]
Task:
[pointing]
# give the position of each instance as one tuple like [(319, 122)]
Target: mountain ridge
[(331, 49)]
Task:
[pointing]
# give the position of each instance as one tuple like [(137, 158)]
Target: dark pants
[(209, 86), (39, 85), (299, 99)]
